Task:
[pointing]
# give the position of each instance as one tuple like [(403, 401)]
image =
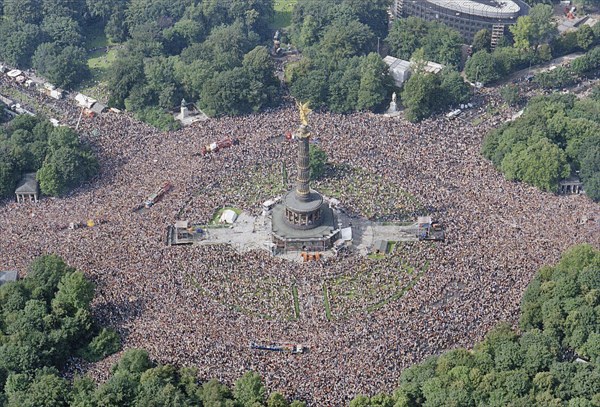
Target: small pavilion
[(28, 188)]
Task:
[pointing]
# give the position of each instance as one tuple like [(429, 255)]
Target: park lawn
[(283, 13), (99, 61)]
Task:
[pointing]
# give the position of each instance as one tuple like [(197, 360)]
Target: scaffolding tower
[(497, 34)]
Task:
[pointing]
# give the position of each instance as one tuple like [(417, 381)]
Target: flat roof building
[(400, 69), (466, 16)]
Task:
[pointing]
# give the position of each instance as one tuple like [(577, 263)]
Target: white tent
[(346, 234), (14, 73), (228, 216), (84, 101)]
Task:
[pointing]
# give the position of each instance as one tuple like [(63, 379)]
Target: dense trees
[(46, 319), (439, 43), (357, 83), (46, 35), (31, 144), (556, 136), (317, 161), (535, 28), (425, 93), (556, 79), (482, 67), (588, 63), (225, 72), (339, 70), (63, 66), (559, 315)]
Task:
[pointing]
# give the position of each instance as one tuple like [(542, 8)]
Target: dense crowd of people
[(201, 305)]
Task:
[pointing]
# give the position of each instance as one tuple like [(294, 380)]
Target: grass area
[(296, 301), (326, 302), (376, 256), (356, 187), (215, 219), (372, 287), (99, 61), (396, 296), (477, 121), (283, 13)]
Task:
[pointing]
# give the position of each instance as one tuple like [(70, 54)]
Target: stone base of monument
[(188, 116), (392, 110), (288, 238)]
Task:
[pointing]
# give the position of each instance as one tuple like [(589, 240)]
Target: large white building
[(465, 16), (401, 70)]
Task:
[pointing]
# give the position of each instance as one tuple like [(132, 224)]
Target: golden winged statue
[(304, 112)]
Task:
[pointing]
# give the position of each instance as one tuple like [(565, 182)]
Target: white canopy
[(84, 100), (228, 216)]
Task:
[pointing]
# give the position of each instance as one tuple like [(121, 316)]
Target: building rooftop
[(8, 276), (482, 8), (396, 63), (27, 185)]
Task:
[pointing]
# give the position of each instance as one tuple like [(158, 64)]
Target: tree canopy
[(339, 69), (440, 43), (556, 136), (31, 144), (422, 93), (535, 367), (46, 320)]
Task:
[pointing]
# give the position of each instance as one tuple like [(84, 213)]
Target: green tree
[(372, 88), (64, 168), (45, 274), (541, 164), (134, 361), (74, 292), (590, 169), (105, 343), (125, 72), (482, 40), (420, 96), (62, 30), (9, 174), (482, 67), (454, 87), (317, 161), (405, 36), (216, 394), (311, 87), (65, 67), (346, 39), (511, 94), (585, 37), (46, 389), (536, 28), (18, 42), (249, 389), (277, 400), (224, 93), (25, 11)]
